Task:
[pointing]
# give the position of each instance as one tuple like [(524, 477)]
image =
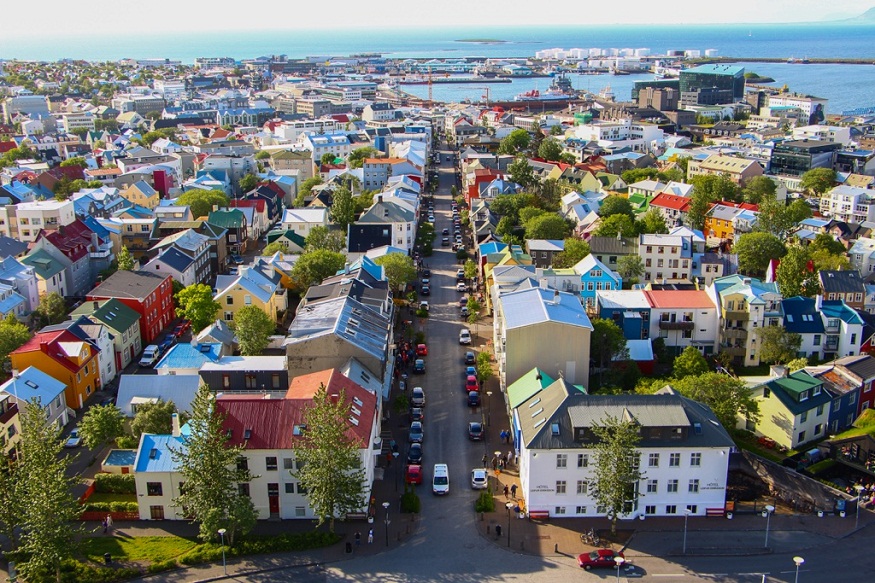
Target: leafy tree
[(484, 366), (13, 335), (323, 238), (616, 465), (727, 396), (471, 269), (314, 266), (356, 158), (262, 155), (515, 142), (399, 270), (327, 158), (777, 345), (652, 222), (616, 205), (208, 465), (154, 418), (363, 201), (521, 172), (673, 174), (201, 202), (797, 364), (779, 219), (101, 425), (51, 309), (755, 250), (125, 259), (253, 328), (505, 227), (614, 224), (342, 210), (700, 204), (690, 362), (196, 303), (41, 485), (638, 174), (331, 470), (630, 267), (272, 248), (75, 161), (607, 343), (823, 260), (794, 275), (818, 180), (758, 188), (574, 251), (248, 182), (528, 213), (547, 226), (550, 150), (305, 189), (828, 243)]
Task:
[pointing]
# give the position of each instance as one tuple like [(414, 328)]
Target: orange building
[(64, 357)]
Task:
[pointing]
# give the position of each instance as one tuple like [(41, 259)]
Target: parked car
[(414, 454), (416, 414), (423, 305), (463, 303), (418, 366), (421, 350), (441, 480), (182, 328), (417, 398), (475, 431), (415, 434), (465, 336), (75, 440), (460, 275), (464, 312), (168, 342), (598, 558), (470, 358), (461, 287), (426, 273), (445, 232), (471, 383), (445, 242), (474, 398), (425, 291), (479, 479), (470, 371), (413, 474), (237, 259), (150, 355)]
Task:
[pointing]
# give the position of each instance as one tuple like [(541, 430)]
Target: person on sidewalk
[(506, 490), (109, 521), (358, 538), (513, 491), (371, 536), (485, 461), (105, 526), (494, 463)]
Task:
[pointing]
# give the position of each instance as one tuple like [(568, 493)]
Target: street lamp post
[(768, 514), (395, 455), (686, 516), (386, 507), (488, 407), (619, 560), (222, 532), (859, 490), (508, 505), (798, 561)]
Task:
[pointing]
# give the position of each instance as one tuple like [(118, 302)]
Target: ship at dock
[(560, 89)]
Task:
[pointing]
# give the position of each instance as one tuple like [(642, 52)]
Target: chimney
[(174, 420), (556, 297), (95, 243), (619, 236), (746, 281), (346, 268), (542, 283), (96, 304)]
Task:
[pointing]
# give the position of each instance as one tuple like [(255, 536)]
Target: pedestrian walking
[(504, 461), (485, 461), (501, 436), (109, 521), (513, 491), (505, 490), (358, 538), (105, 526), (494, 463), (371, 536)]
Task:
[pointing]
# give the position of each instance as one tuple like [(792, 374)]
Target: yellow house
[(140, 193), (253, 288), (513, 255)]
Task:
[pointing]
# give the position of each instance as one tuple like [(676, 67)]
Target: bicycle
[(590, 538)]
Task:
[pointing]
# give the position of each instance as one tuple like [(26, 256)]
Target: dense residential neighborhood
[(237, 284)]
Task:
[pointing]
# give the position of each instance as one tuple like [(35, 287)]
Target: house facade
[(744, 305), (123, 324), (148, 294), (595, 277)]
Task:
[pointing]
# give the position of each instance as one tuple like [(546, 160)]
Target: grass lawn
[(864, 425), (105, 497), (150, 549)]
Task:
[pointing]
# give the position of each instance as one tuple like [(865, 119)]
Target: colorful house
[(594, 277), (148, 294)]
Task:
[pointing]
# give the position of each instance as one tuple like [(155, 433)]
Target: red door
[(273, 499)]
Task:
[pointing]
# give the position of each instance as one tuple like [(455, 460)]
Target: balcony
[(735, 334), (736, 315), (732, 350), (663, 325)]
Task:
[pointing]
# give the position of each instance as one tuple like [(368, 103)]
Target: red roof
[(247, 203), (679, 299), (275, 188), (47, 342), (5, 146), (72, 247), (739, 205), (671, 201)]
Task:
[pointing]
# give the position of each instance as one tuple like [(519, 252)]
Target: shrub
[(461, 254), (110, 507), (160, 566), (115, 484), (419, 337), (211, 552), (127, 442), (421, 313), (410, 502), (206, 553), (485, 502)]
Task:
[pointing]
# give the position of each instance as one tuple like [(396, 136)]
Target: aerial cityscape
[(619, 271)]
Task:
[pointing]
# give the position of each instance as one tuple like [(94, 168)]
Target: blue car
[(419, 366)]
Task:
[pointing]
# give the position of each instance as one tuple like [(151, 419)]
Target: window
[(653, 460), (270, 463), (582, 486), (290, 487), (561, 460), (243, 489), (671, 509), (819, 410), (250, 381), (560, 486), (818, 429), (300, 512), (801, 437), (154, 489), (853, 339), (559, 510), (247, 300), (275, 380), (226, 381), (242, 464), (652, 486), (804, 417), (650, 510), (582, 460), (674, 460), (672, 486), (817, 339), (692, 508), (229, 300), (580, 510), (695, 459), (693, 488), (288, 463)]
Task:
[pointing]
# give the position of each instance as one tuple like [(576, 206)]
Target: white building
[(824, 133), (683, 452), (848, 203), (303, 220), (862, 255), (668, 258), (615, 135), (683, 318), (805, 103), (42, 214)]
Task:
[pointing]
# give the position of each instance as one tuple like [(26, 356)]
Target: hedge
[(115, 484), (110, 507), (210, 553)]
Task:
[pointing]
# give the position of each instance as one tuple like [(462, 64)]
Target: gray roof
[(534, 306), (11, 247), (842, 282), (346, 318), (863, 366), (387, 211), (538, 412), (128, 284), (612, 245), (180, 389)]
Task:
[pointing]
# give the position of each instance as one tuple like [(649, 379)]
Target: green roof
[(111, 312), (227, 218), (44, 265), (798, 382), (527, 385)]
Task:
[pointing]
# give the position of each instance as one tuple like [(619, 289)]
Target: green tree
[(75, 161), (342, 210), (700, 204), (262, 155), (399, 270), (125, 259), (690, 362), (574, 250), (630, 267), (327, 158), (248, 182), (196, 303), (777, 345), (779, 219), (471, 269), (617, 465), (323, 238), (272, 248), (825, 261), (201, 202), (727, 396), (314, 266), (305, 189), (550, 150), (51, 309), (331, 469), (48, 536), (515, 142), (547, 226), (13, 335), (794, 277), (484, 366), (530, 212), (828, 243), (505, 227), (253, 328), (356, 158), (209, 467), (755, 250), (154, 418), (652, 222), (521, 172), (797, 364), (101, 425), (638, 174), (614, 224), (607, 343), (758, 188), (616, 205), (818, 180)]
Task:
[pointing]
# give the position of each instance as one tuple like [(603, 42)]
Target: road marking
[(669, 575)]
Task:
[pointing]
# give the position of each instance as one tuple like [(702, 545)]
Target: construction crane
[(486, 95)]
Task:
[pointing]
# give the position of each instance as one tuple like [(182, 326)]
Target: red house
[(149, 294)]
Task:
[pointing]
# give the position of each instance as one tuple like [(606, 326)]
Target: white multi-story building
[(745, 304), (302, 221), (683, 318), (42, 214), (76, 121), (683, 452), (825, 133), (849, 203), (668, 257), (292, 130), (862, 255), (615, 135), (805, 103)]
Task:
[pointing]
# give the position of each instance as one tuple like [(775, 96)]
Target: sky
[(70, 18)]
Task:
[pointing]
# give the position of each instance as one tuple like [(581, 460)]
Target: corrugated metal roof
[(534, 306), (154, 453)]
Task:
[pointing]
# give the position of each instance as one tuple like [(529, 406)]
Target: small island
[(481, 41), (752, 77)]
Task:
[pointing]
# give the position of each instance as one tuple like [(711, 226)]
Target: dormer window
[(815, 391), (803, 396)]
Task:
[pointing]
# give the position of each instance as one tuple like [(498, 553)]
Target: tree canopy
[(607, 343), (758, 188), (253, 328), (690, 362), (652, 223), (342, 210), (248, 182), (51, 309), (399, 270), (727, 396), (13, 335), (630, 267), (575, 250), (616, 205), (101, 425), (323, 238), (818, 180), (201, 201), (796, 275), (314, 266), (125, 260), (755, 250), (547, 226), (615, 224), (550, 149), (778, 218), (616, 468), (196, 303), (356, 158), (153, 418), (515, 142), (777, 345), (521, 172)]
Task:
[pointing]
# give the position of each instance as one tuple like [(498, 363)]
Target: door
[(273, 500), (156, 512)]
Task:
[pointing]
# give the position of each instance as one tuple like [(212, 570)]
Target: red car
[(598, 558), (471, 384), (413, 474), (421, 350), (181, 328)]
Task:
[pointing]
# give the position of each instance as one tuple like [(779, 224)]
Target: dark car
[(414, 454), (426, 273), (470, 358), (475, 431), (168, 342), (445, 242), (238, 259), (599, 558), (445, 232), (425, 290), (419, 366), (474, 398), (416, 414)]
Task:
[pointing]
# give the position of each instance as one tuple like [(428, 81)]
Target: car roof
[(471, 377)]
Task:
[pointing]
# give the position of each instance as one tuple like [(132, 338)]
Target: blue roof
[(492, 247), (154, 453), (801, 316), (32, 383), (839, 309), (176, 259), (190, 355), (732, 70)]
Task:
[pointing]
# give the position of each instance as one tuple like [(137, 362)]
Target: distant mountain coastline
[(482, 41)]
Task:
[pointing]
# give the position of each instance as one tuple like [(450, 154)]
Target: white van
[(440, 483)]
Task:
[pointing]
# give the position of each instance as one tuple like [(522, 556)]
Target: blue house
[(595, 276), (844, 389), (629, 309)]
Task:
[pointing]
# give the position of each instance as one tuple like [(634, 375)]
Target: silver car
[(479, 479), (415, 435)]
